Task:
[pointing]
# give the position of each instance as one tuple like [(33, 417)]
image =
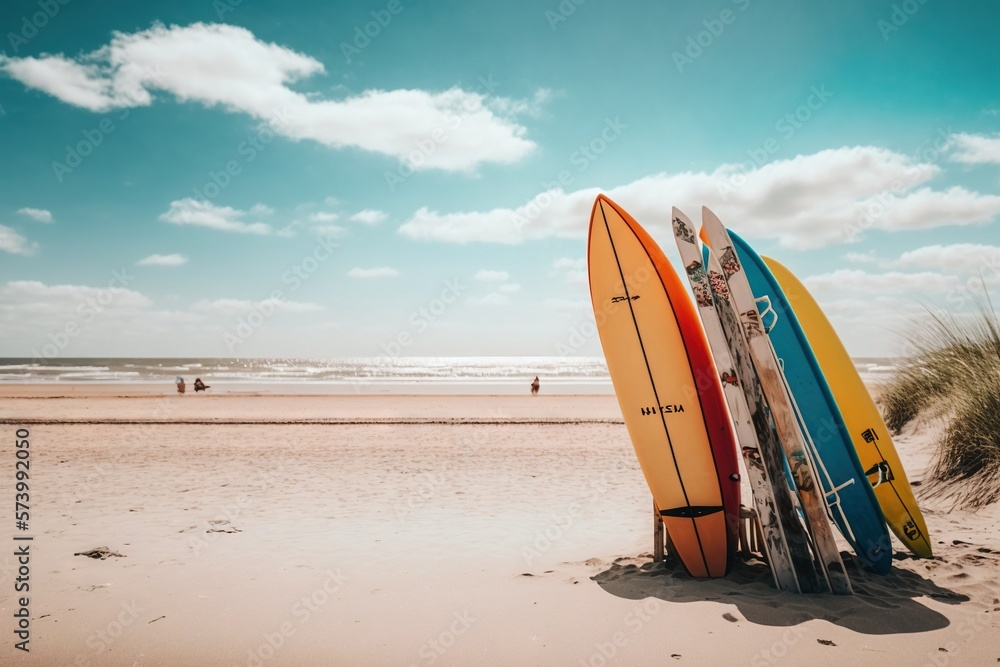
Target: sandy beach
[(421, 530)]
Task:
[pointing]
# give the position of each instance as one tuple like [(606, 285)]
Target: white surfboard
[(778, 399), (785, 540)]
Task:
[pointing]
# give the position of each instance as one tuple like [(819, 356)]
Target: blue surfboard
[(853, 506)]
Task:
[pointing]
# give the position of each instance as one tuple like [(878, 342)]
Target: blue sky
[(168, 167)]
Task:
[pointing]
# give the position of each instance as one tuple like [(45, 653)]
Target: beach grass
[(954, 374)]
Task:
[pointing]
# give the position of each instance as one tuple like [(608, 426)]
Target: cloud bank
[(809, 201), (228, 67)]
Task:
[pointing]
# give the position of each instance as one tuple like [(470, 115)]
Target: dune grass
[(954, 373)]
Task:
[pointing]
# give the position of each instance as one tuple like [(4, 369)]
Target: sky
[(334, 179)]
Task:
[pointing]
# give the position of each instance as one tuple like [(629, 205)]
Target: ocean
[(386, 375)]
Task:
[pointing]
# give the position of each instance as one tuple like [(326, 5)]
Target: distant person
[(534, 386), (199, 385), (180, 385)]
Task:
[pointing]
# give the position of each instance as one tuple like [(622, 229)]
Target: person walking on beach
[(534, 386)]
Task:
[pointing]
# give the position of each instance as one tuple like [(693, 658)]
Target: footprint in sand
[(101, 553), (95, 587), (219, 529)]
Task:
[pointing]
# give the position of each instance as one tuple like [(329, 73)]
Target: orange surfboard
[(668, 389)]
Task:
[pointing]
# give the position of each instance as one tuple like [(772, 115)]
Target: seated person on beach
[(199, 385), (534, 386), (180, 385)]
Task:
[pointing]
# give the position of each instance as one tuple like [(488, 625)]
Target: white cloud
[(567, 263), (926, 208), (81, 85), (491, 299), (489, 276), (551, 213), (107, 320), (500, 295), (163, 260), (377, 272), (36, 214), (331, 201), (857, 281), (324, 217), (873, 309), (328, 230), (872, 326), (261, 210), (974, 149), (369, 217), (64, 299), (298, 307), (860, 257), (226, 66), (808, 201), (532, 107), (190, 211), (14, 243), (231, 307), (953, 258), (569, 305), (573, 271)]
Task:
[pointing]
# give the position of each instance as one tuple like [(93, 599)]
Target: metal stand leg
[(744, 538), (657, 535), (751, 534)]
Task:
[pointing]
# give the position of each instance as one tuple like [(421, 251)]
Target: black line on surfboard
[(692, 511), (652, 382), (892, 485), (701, 403)]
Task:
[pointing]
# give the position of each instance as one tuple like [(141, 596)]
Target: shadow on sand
[(880, 604)]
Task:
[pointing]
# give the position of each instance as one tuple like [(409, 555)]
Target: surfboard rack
[(658, 533), (751, 536), (764, 303), (663, 548)]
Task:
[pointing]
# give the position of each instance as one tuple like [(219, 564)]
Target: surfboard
[(668, 389), (780, 402), (786, 544), (849, 495), (869, 434)]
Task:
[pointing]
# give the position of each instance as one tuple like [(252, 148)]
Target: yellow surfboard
[(668, 389), (868, 432)]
